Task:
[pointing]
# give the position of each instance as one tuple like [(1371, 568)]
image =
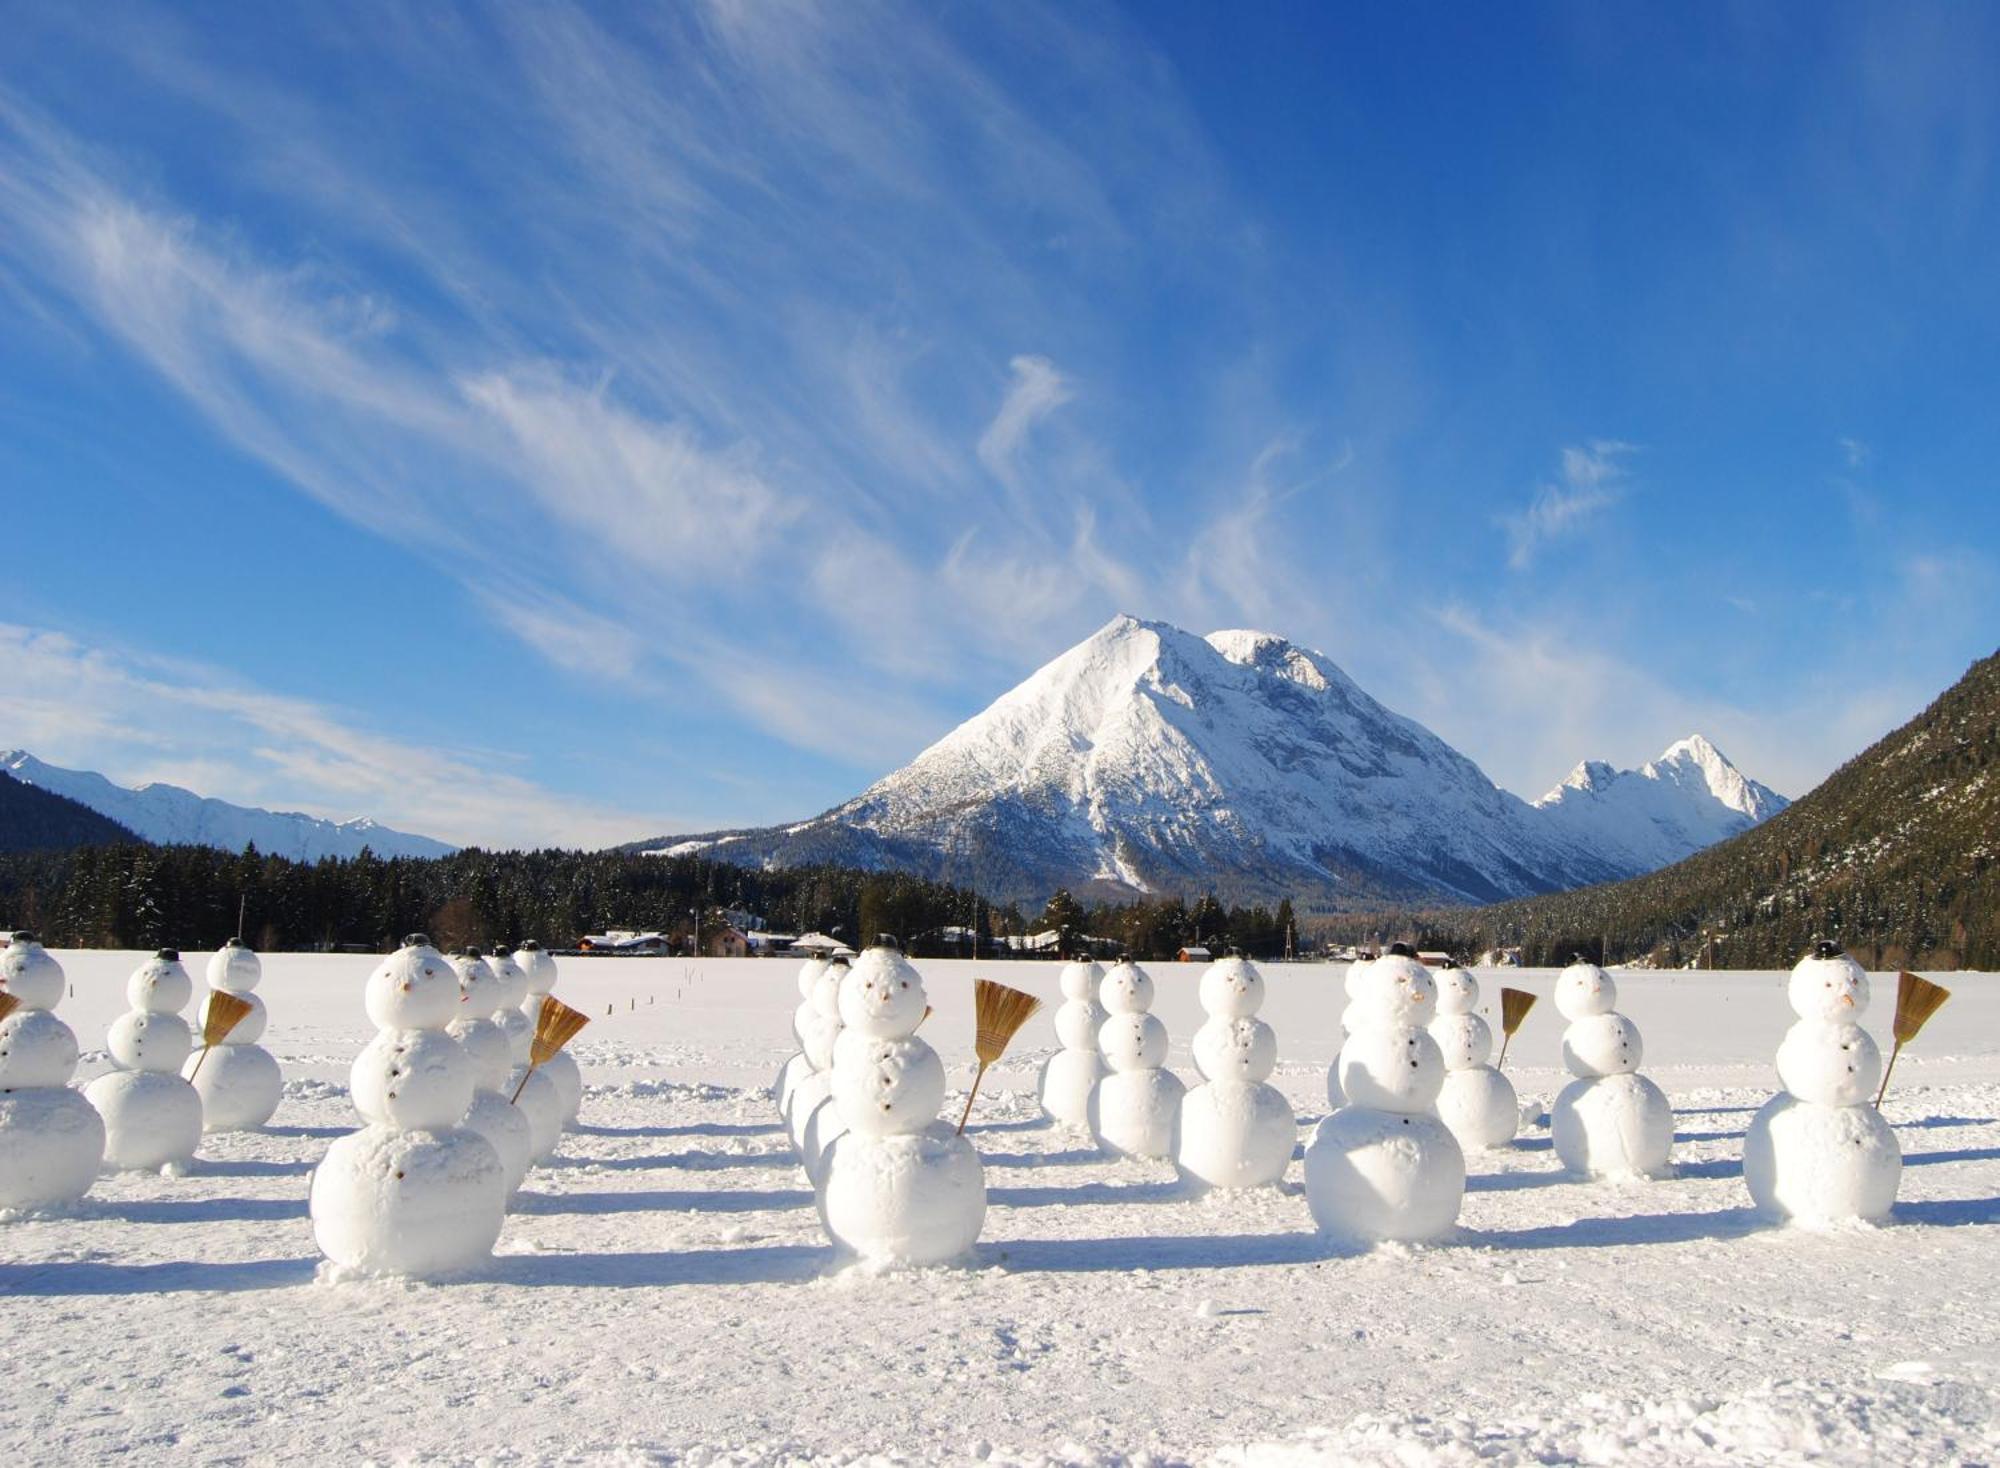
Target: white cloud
[(1037, 390), (137, 718), (1590, 483)]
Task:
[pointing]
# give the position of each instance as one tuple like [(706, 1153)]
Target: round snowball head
[(412, 989), (246, 1031), (151, 1119), (239, 1086), (539, 965), (30, 973), (1396, 989), (826, 993), (1127, 989), (412, 1204), (1829, 1063), (145, 1040), (510, 981), (1391, 1068), (1820, 1165), (1232, 988), (809, 973), (1465, 1038), (1457, 990), (1613, 1126), (160, 984), (1602, 1045), (1833, 987), (1584, 989), (234, 967), (1372, 1176), (485, 1045), (898, 1201), (479, 988), (1133, 1042), (818, 1034), (1234, 1136), (51, 1145), (882, 995), (412, 1079), (887, 1086), (1080, 978), (1133, 1113), (36, 1049), (520, 1033), (1235, 1050)]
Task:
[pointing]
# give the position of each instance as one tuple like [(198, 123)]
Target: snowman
[(796, 1066), (152, 1117), (899, 1187), (816, 1114), (1610, 1121), (51, 1139), (1135, 1106), (1076, 1067), (1477, 1104), (528, 1087), (561, 1068), (412, 1192), (236, 1078), (1819, 1152), (505, 1126), (1351, 986), (1383, 1167), (1235, 1131)]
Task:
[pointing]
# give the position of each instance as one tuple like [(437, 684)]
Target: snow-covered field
[(663, 1293)]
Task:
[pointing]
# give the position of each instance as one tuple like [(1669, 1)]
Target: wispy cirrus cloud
[(1591, 481)]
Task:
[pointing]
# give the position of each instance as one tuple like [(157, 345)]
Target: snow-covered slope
[(1146, 759), (169, 815), (1688, 798)]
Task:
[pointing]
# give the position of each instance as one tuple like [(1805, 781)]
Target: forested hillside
[(37, 820)]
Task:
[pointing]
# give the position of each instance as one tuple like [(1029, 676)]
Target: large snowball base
[(1067, 1081), (1234, 1135), (914, 1199), (1373, 1176), (507, 1131), (541, 1103), (239, 1086), (51, 1145), (152, 1118), (415, 1203), (1821, 1164), (563, 1072), (1478, 1107), (1613, 1126), (1134, 1112)]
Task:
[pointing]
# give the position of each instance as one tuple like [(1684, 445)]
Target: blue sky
[(530, 424)]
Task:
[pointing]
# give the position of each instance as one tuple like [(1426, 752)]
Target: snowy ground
[(663, 1292)]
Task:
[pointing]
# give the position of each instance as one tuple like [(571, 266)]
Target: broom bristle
[(555, 1026), (1917, 999), (998, 1014), (221, 1014), (8, 1003), (1514, 1007)]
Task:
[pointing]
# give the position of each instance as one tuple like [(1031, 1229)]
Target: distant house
[(769, 945), (728, 941), (1194, 953), (623, 943), (1434, 959), (817, 943)]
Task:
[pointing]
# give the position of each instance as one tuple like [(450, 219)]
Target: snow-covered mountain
[(1147, 759), (1688, 798), (169, 815)]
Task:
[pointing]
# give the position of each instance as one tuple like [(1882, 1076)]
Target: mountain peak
[(1698, 757)]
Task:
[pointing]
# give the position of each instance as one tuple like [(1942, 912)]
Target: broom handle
[(515, 1098), (1887, 1071), (967, 1116), (197, 1063), (1506, 1039)]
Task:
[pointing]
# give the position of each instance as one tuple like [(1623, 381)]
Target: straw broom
[(555, 1026), (1514, 1007), (223, 1012), (8, 1003), (998, 1014), (1917, 999)]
